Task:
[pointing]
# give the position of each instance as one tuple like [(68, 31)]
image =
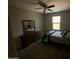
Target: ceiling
[(60, 5)]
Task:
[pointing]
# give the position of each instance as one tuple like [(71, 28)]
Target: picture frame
[(28, 25)]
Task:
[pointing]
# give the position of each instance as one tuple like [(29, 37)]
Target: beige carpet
[(42, 51)]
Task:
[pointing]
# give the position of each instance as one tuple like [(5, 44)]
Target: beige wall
[(65, 20), (16, 15)]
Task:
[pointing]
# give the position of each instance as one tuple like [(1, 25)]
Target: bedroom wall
[(65, 20), (16, 15)]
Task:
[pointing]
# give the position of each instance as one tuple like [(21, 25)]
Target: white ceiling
[(60, 5)]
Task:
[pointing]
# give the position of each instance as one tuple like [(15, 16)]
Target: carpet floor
[(39, 50)]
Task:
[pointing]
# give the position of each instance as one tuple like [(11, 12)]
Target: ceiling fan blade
[(38, 8), (51, 6), (42, 4), (46, 1), (49, 9)]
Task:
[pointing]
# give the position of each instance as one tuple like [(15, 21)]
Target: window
[(56, 22)]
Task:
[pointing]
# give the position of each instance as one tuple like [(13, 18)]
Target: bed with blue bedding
[(61, 37)]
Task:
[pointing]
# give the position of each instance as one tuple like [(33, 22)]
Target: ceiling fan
[(44, 6)]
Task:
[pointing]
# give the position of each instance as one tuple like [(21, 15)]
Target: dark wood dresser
[(29, 37)]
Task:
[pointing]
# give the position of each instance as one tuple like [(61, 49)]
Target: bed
[(61, 37)]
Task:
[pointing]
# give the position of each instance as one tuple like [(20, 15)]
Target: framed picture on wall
[(28, 25)]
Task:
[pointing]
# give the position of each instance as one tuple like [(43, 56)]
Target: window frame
[(56, 23)]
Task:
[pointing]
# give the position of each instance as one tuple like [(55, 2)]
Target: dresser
[(29, 37)]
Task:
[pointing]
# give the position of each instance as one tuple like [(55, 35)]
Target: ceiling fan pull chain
[(44, 10)]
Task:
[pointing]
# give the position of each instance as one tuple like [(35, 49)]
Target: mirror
[(28, 25)]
